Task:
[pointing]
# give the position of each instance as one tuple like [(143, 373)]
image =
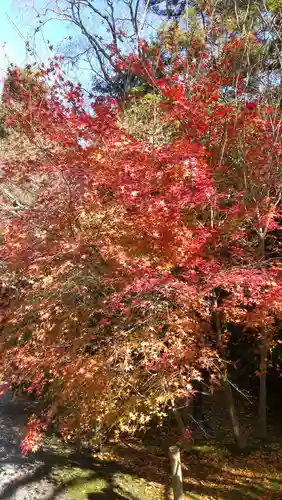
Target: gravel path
[(22, 478)]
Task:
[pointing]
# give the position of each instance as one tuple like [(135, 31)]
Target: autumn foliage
[(135, 257)]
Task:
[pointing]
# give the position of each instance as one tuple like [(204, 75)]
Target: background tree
[(170, 9), (102, 31)]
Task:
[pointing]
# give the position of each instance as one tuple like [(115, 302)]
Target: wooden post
[(177, 484)]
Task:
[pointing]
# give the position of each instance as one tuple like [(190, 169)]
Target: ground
[(21, 478), (138, 470)]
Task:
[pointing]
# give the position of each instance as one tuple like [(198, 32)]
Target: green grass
[(210, 471), (83, 484), (136, 470), (211, 449)]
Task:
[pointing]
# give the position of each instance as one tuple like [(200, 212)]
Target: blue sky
[(17, 24), (11, 44)]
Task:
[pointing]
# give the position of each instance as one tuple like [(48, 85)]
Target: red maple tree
[(137, 256)]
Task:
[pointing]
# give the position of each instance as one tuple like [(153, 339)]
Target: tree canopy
[(153, 225)]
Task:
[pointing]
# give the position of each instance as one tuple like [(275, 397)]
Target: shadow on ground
[(201, 480), (133, 472)]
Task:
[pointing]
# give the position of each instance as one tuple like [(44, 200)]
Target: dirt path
[(21, 478)]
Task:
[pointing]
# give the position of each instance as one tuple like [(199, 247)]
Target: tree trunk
[(233, 414), (261, 247), (263, 363), (181, 426), (198, 402), (262, 390), (177, 484), (178, 418), (179, 421), (227, 388)]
